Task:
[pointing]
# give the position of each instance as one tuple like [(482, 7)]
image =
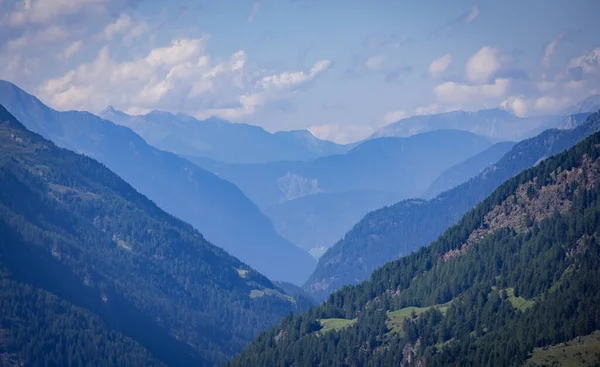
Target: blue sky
[(338, 68)]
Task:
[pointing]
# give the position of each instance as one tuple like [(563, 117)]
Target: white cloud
[(46, 11), (462, 93), (428, 110), (394, 116), (589, 62), (548, 105), (484, 63), (516, 105), (375, 62), (180, 77), (473, 14), (439, 65), (130, 29), (70, 50), (253, 11), (550, 49), (38, 37), (271, 88), (341, 134), (542, 105)]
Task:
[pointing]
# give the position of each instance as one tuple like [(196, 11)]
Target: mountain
[(321, 219), (217, 208), (471, 167), (493, 123), (94, 273), (590, 104), (222, 140), (405, 166), (313, 203), (391, 232), (519, 273)]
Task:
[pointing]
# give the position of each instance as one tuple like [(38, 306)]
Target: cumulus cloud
[(516, 105), (341, 134), (39, 37), (588, 63), (472, 14), (439, 65), (380, 55), (125, 25), (394, 116), (453, 92), (253, 11), (550, 49), (375, 62), (482, 66), (70, 50), (180, 77), (46, 11), (428, 110), (541, 105)]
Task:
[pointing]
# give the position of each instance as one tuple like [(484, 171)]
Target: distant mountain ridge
[(385, 164), (519, 273), (222, 140), (314, 202), (463, 171), (391, 232), (590, 104), (94, 273), (214, 206), (494, 123)]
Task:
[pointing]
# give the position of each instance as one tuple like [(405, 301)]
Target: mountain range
[(374, 173), (516, 278), (465, 170), (495, 123), (221, 140), (214, 206), (94, 273), (394, 231)]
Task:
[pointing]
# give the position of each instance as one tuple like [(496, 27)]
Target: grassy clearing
[(242, 273), (519, 303), (396, 318), (581, 351), (335, 324)]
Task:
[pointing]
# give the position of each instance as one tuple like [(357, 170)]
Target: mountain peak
[(110, 110)]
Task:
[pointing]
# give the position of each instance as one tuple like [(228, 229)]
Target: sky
[(339, 68)]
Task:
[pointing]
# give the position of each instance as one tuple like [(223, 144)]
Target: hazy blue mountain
[(94, 273), (222, 140), (217, 208), (313, 203), (590, 104), (320, 220), (404, 166), (471, 167), (391, 232), (493, 123), (516, 280)]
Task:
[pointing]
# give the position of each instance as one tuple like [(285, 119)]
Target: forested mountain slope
[(388, 233), (519, 271), (218, 209), (94, 273)]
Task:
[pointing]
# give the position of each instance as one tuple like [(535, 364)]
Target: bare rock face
[(409, 355), (293, 186)]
